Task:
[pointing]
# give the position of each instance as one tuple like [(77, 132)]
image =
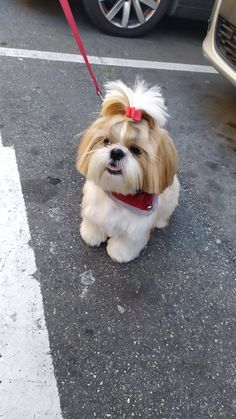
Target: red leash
[(71, 21)]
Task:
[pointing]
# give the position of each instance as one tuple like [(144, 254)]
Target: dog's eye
[(135, 150), (106, 141)]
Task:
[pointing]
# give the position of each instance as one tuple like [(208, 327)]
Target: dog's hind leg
[(167, 202)]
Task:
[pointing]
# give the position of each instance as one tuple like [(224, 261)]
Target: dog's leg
[(162, 222), (167, 203), (91, 233), (123, 249)]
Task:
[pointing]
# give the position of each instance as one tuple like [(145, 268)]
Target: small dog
[(130, 165)]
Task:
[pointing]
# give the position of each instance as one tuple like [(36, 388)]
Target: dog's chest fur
[(112, 217)]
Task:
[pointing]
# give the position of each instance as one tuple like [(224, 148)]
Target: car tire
[(99, 18)]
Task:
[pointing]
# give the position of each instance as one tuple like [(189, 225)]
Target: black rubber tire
[(95, 14)]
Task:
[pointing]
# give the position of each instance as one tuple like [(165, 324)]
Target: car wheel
[(128, 18)]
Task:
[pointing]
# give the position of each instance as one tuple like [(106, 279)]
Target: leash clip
[(100, 95)]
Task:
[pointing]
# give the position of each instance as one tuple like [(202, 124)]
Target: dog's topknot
[(146, 98)]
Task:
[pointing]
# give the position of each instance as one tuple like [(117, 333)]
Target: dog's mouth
[(114, 169)]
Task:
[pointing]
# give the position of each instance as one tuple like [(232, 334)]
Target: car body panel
[(227, 10), (191, 9)]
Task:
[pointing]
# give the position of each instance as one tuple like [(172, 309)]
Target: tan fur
[(160, 166), (88, 143), (115, 105), (111, 107)]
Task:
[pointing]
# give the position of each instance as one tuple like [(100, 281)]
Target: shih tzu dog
[(130, 165)]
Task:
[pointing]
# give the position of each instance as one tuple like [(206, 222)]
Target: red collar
[(142, 202)]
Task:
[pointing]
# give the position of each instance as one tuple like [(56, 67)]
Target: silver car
[(133, 18), (219, 46)]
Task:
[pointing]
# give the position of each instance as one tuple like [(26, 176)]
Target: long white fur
[(128, 232), (142, 97)]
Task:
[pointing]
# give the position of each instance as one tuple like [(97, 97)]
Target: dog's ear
[(83, 153), (167, 161), (90, 141), (160, 168)]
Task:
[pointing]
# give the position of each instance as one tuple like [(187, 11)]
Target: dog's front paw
[(162, 223), (119, 250), (91, 234)]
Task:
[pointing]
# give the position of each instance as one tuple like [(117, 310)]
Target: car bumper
[(214, 48)]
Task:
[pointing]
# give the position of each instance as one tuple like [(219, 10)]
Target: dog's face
[(124, 156)]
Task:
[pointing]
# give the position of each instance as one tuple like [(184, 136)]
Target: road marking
[(27, 383), (115, 62)]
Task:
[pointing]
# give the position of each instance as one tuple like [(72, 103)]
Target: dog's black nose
[(117, 154)]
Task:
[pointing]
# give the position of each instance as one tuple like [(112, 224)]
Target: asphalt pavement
[(154, 338)]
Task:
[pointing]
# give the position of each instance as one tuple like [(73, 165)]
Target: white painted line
[(27, 383), (116, 62)]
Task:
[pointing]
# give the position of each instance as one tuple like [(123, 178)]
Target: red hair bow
[(135, 114)]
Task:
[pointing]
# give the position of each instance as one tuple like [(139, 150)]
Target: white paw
[(91, 234), (119, 251), (162, 223)]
